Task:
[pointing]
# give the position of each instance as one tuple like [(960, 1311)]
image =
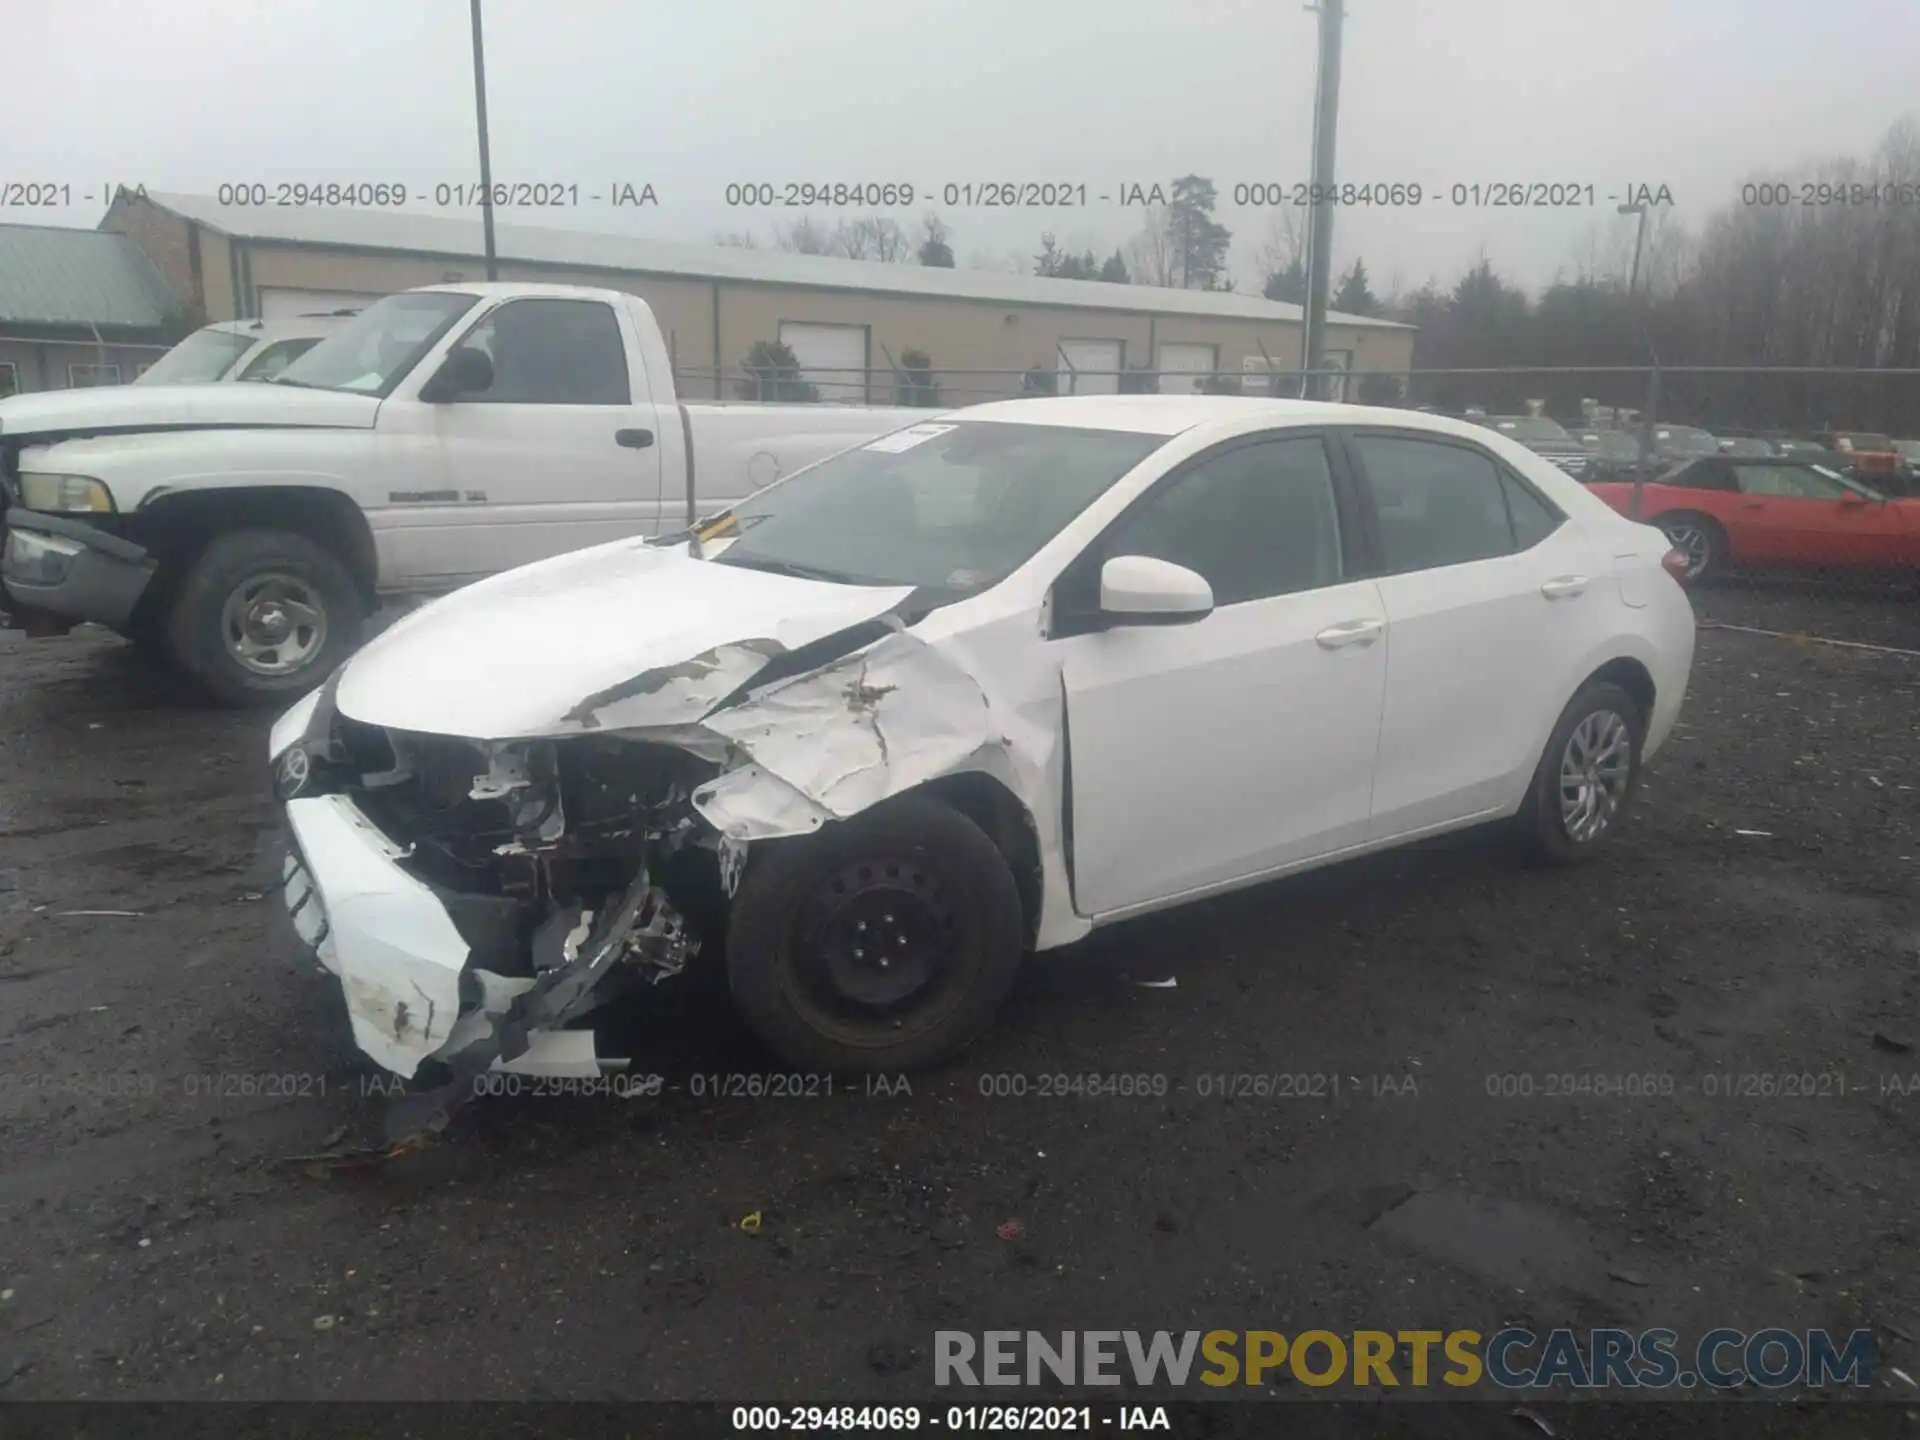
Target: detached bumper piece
[(412, 962), (58, 572)]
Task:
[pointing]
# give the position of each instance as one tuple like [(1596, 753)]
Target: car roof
[(1176, 414)]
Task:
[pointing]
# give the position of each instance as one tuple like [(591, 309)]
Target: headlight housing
[(64, 494)]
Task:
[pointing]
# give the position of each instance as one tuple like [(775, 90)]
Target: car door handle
[(1564, 587), (1349, 632), (633, 439)]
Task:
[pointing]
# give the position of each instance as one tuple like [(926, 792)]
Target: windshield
[(953, 506), (1858, 441), (1529, 428), (203, 356), (375, 349), (1679, 440)]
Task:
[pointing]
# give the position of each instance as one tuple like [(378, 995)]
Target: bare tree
[(804, 236), (1153, 256), (873, 237)]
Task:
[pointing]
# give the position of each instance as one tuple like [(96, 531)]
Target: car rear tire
[(1700, 537), (1586, 778), (263, 616), (883, 943)]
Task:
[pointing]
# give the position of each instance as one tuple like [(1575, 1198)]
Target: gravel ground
[(1762, 919)]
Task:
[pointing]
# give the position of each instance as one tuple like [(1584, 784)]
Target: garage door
[(1181, 365), (832, 357), (1098, 364), (276, 304)]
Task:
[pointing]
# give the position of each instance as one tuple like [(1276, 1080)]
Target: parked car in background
[(1682, 442), (1548, 439), (443, 434), (1728, 513), (1805, 447), (825, 733), (1616, 454), (1745, 447), (242, 349), (1869, 456)]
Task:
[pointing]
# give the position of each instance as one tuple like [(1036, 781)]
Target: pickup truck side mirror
[(466, 371)]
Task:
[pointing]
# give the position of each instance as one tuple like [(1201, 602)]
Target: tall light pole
[(486, 157), (1326, 124), (1647, 421), (1639, 236)]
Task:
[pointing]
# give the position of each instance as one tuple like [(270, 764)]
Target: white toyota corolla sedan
[(972, 689)]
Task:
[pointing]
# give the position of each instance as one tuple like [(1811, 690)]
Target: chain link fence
[(1795, 491)]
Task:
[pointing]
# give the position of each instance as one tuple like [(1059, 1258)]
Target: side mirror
[(1139, 590), (464, 372)]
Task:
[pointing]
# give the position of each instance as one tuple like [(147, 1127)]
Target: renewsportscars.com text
[(1513, 1358)]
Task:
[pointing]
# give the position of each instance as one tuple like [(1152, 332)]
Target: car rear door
[(1493, 600), (1805, 515), (1242, 743)]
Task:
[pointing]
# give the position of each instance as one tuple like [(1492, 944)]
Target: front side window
[(1703, 475), (552, 352), (202, 357), (950, 506), (1437, 504), (274, 358), (1257, 521), (375, 350)]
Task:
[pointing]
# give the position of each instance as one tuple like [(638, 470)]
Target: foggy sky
[(1694, 94)]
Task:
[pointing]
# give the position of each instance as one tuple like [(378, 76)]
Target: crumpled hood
[(623, 635), (109, 408)]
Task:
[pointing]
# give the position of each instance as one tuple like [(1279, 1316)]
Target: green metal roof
[(52, 275)]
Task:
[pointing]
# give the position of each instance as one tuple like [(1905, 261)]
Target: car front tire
[(263, 616), (1586, 778), (882, 943)]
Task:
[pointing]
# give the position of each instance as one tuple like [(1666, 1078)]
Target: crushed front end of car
[(478, 896), (477, 899)]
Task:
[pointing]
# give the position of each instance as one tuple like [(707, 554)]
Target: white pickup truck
[(442, 435)]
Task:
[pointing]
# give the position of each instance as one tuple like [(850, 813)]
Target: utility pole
[(1639, 239), (1326, 123), (486, 157)]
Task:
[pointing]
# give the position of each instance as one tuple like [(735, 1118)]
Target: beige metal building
[(848, 322)]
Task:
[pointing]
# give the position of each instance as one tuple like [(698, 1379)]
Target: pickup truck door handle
[(1349, 632), (1564, 587), (633, 439)]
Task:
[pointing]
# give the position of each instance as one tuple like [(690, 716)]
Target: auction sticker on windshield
[(906, 439)]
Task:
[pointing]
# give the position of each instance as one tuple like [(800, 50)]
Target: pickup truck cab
[(441, 435), (241, 349)]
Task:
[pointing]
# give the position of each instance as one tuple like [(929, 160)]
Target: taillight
[(1676, 564)]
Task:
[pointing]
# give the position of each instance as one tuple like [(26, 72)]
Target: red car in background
[(1727, 513), (1871, 456)]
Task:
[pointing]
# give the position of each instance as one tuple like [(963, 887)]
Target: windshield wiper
[(786, 567)]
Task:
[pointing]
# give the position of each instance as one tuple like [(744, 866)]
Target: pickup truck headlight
[(64, 494)]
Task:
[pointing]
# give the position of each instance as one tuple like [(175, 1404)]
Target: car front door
[(1804, 515), (1493, 600), (1241, 743), (552, 456)]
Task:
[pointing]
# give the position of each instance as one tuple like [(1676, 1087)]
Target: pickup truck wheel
[(263, 615), (882, 943)]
